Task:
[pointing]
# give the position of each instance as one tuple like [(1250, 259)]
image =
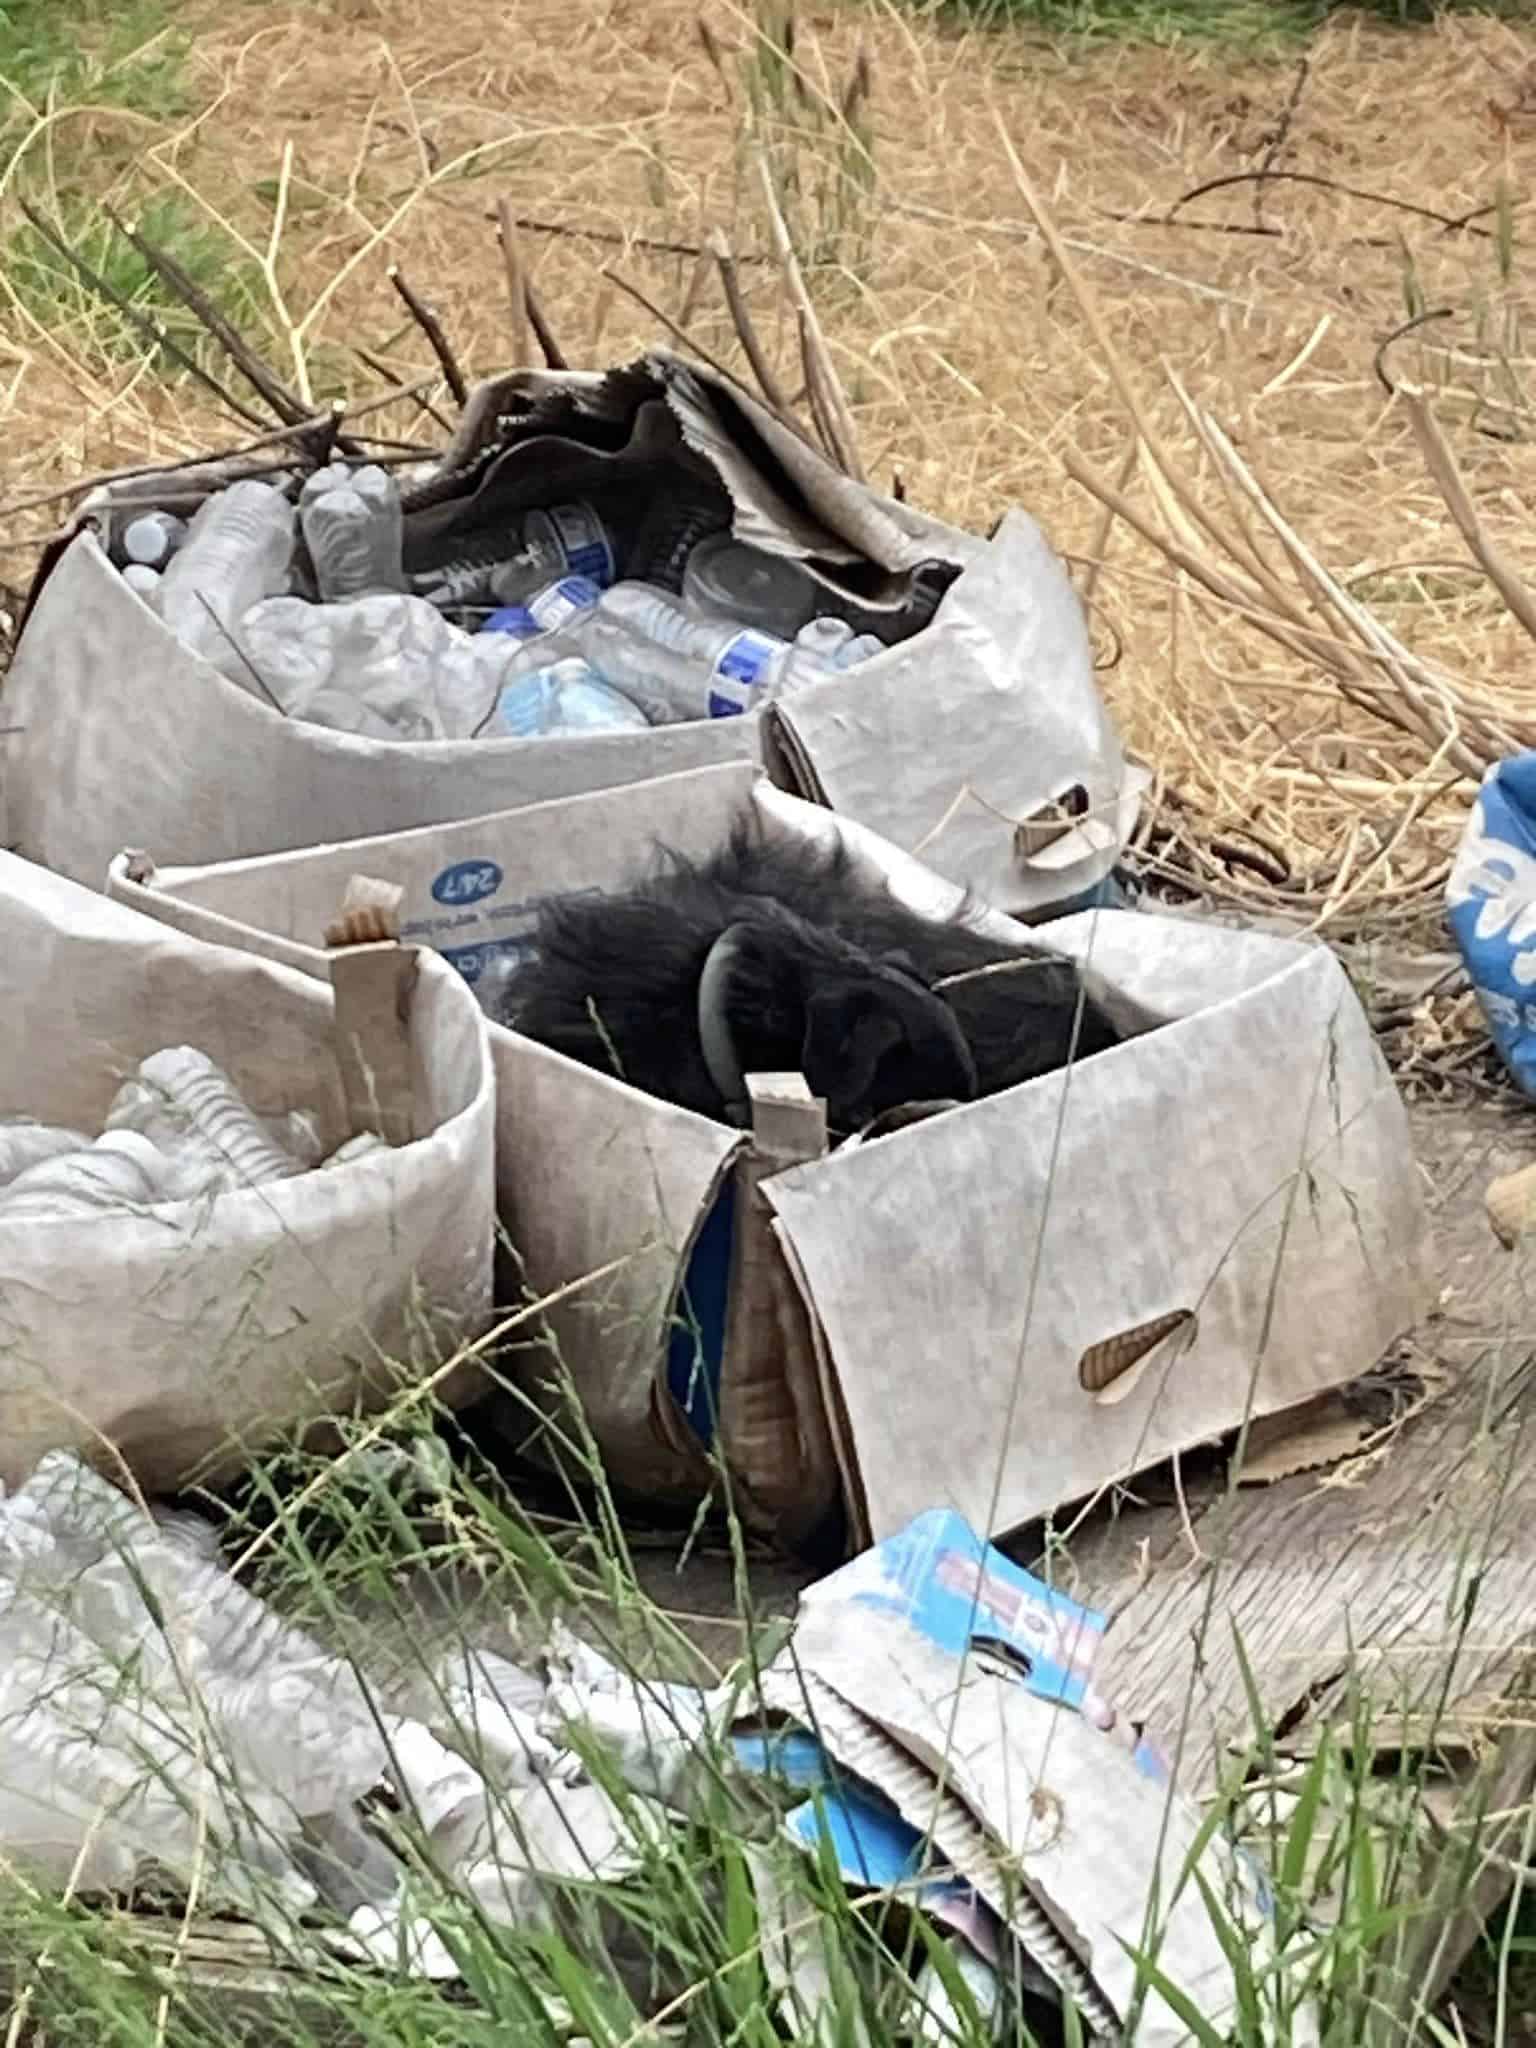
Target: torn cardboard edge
[(374, 978)]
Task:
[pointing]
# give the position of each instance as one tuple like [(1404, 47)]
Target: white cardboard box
[(116, 735), (939, 1308), (177, 1332)]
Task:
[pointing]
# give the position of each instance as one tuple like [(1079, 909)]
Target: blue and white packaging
[(1490, 901), (959, 1687)]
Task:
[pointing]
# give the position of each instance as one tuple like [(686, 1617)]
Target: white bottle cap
[(140, 577), (150, 538)]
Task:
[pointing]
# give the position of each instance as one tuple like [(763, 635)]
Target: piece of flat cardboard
[(116, 735), (1246, 1167), (959, 1686), (172, 1333)]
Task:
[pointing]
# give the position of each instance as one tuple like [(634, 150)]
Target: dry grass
[(389, 129)]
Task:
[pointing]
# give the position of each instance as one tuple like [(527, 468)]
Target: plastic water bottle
[(143, 581), (153, 538), (642, 642), (823, 647), (236, 552), (388, 666), (354, 530), (565, 540), (546, 611), (727, 580), (568, 696)]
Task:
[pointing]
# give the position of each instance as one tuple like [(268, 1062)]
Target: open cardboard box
[(979, 732), (999, 1310)]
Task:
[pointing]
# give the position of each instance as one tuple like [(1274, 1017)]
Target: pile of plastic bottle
[(537, 635)]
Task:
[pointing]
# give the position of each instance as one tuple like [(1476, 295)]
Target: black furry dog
[(772, 957)]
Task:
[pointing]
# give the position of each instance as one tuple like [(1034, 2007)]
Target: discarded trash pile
[(548, 638), (155, 1718), (627, 708)]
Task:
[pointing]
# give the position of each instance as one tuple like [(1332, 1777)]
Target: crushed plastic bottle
[(565, 540), (24, 1142), (236, 552), (177, 1130), (354, 530), (388, 666), (185, 1104)]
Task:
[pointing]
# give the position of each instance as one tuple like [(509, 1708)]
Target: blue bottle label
[(738, 673), (546, 610), (584, 543)]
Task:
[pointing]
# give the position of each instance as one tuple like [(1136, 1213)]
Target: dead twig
[(820, 374), (1443, 467), (153, 331), (1379, 360), (517, 288), (426, 319), (417, 391), (287, 405), (675, 329), (554, 355), (1452, 223), (725, 262), (612, 239)]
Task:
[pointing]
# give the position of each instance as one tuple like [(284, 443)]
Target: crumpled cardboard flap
[(1005, 1761), (171, 1329)]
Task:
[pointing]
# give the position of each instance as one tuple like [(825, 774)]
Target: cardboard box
[(186, 1334), (980, 735), (999, 1310)]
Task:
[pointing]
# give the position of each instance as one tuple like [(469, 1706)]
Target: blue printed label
[(561, 601), (467, 881), (739, 669), (583, 542)]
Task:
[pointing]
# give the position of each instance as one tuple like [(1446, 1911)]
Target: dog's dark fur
[(834, 981)]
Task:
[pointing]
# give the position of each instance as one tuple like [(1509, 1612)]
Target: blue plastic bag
[(1490, 903)]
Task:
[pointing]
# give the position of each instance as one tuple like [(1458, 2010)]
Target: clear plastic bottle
[(642, 642), (823, 647), (153, 538), (122, 1170), (188, 1106), (546, 610), (388, 666), (354, 530), (567, 696), (729, 581), (236, 552), (543, 546)]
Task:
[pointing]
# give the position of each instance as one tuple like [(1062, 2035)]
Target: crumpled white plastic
[(152, 1711)]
